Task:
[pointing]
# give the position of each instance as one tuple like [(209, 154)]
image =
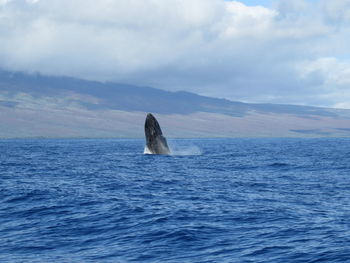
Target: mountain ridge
[(64, 98)]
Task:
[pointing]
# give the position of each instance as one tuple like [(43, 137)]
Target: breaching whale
[(155, 141)]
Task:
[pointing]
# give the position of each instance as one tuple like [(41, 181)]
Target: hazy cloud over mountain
[(290, 52)]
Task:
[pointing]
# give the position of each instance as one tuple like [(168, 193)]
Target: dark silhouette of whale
[(155, 141)]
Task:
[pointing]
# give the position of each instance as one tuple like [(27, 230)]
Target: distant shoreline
[(170, 138)]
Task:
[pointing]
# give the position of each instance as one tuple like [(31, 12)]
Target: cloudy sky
[(286, 51)]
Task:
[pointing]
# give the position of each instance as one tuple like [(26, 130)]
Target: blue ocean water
[(214, 200)]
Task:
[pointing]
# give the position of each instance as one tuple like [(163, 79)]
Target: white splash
[(177, 150), (186, 150), (146, 150)]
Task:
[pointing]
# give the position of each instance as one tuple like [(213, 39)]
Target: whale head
[(155, 141)]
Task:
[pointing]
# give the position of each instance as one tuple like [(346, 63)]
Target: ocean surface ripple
[(214, 200)]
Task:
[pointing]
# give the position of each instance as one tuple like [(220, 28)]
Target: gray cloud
[(294, 52)]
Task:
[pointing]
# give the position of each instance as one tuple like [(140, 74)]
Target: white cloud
[(3, 2), (331, 79), (243, 20), (294, 52)]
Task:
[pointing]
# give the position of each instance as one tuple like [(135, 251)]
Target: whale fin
[(155, 141)]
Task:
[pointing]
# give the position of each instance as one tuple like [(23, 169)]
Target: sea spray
[(185, 150), (146, 151)]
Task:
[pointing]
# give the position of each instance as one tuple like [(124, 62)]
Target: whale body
[(155, 141)]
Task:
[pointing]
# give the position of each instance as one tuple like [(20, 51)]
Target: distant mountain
[(32, 105)]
